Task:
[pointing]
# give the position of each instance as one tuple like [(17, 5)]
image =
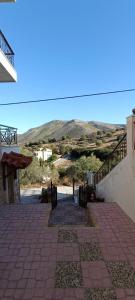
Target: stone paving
[(66, 262), (67, 213)]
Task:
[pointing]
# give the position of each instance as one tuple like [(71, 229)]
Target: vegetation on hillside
[(37, 171), (79, 170), (86, 153), (62, 130)]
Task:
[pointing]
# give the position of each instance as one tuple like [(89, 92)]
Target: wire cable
[(68, 97)]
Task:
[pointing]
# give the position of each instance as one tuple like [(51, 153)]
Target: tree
[(52, 158), (84, 164), (83, 137), (62, 149), (98, 143), (73, 172), (63, 138), (52, 140), (93, 137), (109, 134), (34, 173), (62, 172), (99, 133), (93, 163)]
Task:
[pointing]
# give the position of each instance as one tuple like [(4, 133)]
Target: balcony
[(8, 135), (8, 140), (7, 71)]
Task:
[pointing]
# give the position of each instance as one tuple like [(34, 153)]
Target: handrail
[(118, 153), (6, 48), (8, 135), (1, 125)]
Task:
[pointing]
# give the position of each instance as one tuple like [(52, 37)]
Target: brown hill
[(56, 129)]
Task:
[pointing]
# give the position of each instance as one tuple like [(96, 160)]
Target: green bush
[(52, 158), (99, 153), (84, 164), (34, 173), (62, 172), (98, 143)]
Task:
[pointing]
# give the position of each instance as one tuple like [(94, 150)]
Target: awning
[(16, 160)]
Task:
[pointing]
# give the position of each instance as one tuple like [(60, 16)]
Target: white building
[(10, 159), (43, 154), (8, 135)]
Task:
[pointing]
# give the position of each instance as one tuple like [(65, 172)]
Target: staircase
[(115, 180), (113, 159)]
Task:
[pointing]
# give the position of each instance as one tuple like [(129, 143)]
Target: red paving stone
[(30, 251), (95, 275)]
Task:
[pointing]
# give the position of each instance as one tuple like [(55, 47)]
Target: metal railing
[(49, 195), (119, 152), (8, 135), (5, 47)]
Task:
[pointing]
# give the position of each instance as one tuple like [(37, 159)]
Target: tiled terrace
[(67, 262)]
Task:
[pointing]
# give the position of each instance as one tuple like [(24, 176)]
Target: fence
[(119, 152)]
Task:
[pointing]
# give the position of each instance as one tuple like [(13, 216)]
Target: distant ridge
[(57, 128)]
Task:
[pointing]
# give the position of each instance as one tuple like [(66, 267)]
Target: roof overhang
[(7, 1), (16, 160)]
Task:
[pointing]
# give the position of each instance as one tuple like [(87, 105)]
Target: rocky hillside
[(56, 129)]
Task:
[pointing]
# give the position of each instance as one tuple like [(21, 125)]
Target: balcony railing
[(5, 47), (8, 135), (119, 152)]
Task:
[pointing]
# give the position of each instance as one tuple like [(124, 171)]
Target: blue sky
[(67, 48)]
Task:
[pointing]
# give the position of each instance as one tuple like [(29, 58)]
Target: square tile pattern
[(122, 274), (68, 274), (67, 236), (90, 252), (100, 294), (38, 262)]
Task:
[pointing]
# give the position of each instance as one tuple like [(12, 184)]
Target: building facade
[(10, 159), (43, 154)]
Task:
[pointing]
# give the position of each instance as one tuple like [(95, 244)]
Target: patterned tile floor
[(67, 262)]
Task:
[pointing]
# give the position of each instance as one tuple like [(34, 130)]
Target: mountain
[(56, 129)]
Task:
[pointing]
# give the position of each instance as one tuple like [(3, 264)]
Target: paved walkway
[(64, 263), (30, 196), (67, 213)]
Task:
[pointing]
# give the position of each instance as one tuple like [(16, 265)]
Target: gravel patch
[(67, 236), (90, 252), (123, 275), (68, 275), (100, 294)]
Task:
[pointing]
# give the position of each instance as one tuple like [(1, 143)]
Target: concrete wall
[(119, 185)]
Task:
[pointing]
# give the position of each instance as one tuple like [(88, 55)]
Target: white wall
[(43, 154), (8, 149), (7, 71), (119, 185)]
